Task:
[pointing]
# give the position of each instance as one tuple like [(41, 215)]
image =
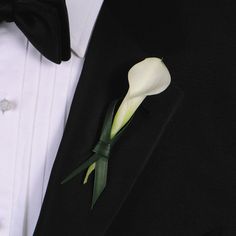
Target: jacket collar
[(66, 208)]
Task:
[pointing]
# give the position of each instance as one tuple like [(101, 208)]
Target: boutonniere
[(146, 78)]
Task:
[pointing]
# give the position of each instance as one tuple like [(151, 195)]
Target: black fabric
[(44, 23), (180, 172)]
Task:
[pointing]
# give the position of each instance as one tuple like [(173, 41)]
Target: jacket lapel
[(104, 79)]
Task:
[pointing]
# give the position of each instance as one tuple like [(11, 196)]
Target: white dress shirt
[(35, 99)]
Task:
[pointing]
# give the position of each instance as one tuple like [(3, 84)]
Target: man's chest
[(35, 98)]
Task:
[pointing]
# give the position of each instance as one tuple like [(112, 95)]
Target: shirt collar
[(82, 17)]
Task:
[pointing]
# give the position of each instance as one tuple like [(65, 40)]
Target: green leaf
[(99, 160), (100, 179), (84, 166)]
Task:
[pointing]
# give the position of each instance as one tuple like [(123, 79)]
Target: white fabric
[(30, 133)]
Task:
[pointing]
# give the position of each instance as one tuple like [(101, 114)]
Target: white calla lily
[(146, 78)]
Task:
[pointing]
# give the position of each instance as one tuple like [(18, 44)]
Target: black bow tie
[(44, 23)]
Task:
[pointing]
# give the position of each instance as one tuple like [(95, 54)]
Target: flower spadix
[(146, 78)]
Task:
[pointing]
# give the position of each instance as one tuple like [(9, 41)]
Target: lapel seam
[(159, 135)]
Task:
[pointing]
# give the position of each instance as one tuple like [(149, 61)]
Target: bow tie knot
[(44, 23), (7, 11)]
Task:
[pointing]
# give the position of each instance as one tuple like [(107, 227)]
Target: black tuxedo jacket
[(173, 172)]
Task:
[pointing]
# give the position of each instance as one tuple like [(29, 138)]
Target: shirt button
[(6, 105)]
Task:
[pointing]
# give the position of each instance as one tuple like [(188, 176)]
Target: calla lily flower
[(146, 78)]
